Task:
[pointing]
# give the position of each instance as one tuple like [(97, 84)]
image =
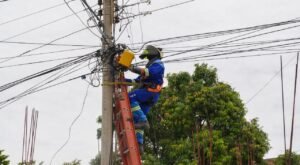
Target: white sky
[(60, 105)]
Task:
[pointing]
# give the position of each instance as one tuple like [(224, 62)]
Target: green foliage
[(149, 159), (97, 159), (99, 133), (99, 119), (99, 130), (74, 162), (198, 118), (3, 158), (295, 159), (204, 74), (31, 163), (255, 138)]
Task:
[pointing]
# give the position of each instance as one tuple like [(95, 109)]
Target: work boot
[(141, 147), (142, 125)]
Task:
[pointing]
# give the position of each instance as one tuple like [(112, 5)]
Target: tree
[(282, 158), (74, 162), (96, 160), (3, 158), (200, 120), (31, 163)]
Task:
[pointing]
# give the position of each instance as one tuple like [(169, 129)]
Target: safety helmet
[(151, 52)]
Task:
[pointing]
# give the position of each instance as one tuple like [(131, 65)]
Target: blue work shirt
[(154, 72)]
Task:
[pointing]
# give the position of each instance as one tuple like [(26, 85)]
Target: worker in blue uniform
[(150, 82)]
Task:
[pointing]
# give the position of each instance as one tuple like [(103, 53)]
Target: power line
[(223, 53), (100, 23), (70, 127), (38, 62), (159, 9), (51, 44), (46, 44), (267, 83), (234, 57), (47, 71), (215, 34), (40, 86), (133, 4), (43, 25), (92, 16), (80, 19), (50, 52), (30, 14), (197, 36), (167, 7), (229, 41)]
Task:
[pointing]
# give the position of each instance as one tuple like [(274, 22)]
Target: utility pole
[(107, 90)]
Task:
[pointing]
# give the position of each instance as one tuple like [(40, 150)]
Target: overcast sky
[(58, 106)]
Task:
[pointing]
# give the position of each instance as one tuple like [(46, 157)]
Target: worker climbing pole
[(131, 109), (129, 112)]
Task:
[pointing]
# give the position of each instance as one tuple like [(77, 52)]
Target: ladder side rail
[(129, 138)]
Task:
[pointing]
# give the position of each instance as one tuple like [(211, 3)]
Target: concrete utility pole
[(107, 91)]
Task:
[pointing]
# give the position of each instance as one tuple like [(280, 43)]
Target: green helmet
[(151, 52)]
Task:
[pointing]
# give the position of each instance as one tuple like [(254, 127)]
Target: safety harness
[(151, 86)]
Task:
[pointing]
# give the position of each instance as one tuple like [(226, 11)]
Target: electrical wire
[(81, 19), (70, 127), (46, 44), (234, 57), (42, 85), (133, 4), (50, 52), (267, 83), (229, 52), (51, 44), (174, 5), (41, 26), (38, 62), (229, 41), (125, 28), (104, 36), (155, 10), (91, 17), (141, 27), (33, 13), (214, 34), (47, 71), (34, 88)]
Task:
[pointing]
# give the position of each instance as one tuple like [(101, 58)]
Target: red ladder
[(123, 120)]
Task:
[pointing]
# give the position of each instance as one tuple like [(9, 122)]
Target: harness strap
[(156, 89)]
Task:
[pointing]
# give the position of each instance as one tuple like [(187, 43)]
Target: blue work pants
[(141, 100)]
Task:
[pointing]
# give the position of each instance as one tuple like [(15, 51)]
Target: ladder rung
[(118, 115), (126, 151), (122, 132)]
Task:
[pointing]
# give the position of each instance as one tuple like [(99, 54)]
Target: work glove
[(135, 69)]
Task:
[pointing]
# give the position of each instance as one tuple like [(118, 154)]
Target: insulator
[(117, 8), (100, 12), (117, 19)]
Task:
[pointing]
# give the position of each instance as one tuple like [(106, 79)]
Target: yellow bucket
[(126, 58)]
